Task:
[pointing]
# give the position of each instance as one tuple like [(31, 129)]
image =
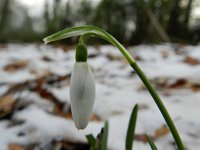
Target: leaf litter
[(34, 96)]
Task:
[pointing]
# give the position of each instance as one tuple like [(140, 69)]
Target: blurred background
[(161, 35), (130, 21)]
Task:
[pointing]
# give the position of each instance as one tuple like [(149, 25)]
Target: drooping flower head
[(82, 88)]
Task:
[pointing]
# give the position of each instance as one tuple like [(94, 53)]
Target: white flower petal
[(82, 94)]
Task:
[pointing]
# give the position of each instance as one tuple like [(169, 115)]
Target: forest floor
[(35, 106)]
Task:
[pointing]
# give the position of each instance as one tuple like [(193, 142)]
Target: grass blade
[(105, 137), (91, 140), (151, 143), (131, 128)]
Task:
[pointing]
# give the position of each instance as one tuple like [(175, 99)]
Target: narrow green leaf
[(151, 143), (105, 137), (75, 31), (91, 140), (131, 128), (89, 31), (99, 139)]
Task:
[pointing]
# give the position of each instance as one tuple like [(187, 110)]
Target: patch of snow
[(118, 89)]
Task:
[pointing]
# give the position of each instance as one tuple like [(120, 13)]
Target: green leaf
[(76, 31), (88, 30), (105, 137), (131, 128), (151, 143), (91, 140)]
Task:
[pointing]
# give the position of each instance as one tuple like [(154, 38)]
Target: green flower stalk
[(88, 31), (82, 88)]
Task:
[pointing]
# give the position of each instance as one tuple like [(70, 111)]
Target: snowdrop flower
[(82, 88)]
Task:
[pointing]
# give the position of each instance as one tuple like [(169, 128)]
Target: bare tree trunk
[(56, 17), (46, 18), (4, 14), (155, 23), (188, 12), (174, 26)]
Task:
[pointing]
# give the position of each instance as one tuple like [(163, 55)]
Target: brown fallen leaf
[(195, 87), (179, 83), (191, 61), (47, 59), (20, 64), (7, 103), (39, 86), (58, 110), (158, 133), (161, 132), (67, 144), (16, 147), (46, 78), (141, 137), (95, 117)]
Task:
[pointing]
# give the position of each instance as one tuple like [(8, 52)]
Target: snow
[(118, 89), (193, 51)]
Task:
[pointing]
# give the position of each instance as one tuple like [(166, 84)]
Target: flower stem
[(150, 88), (146, 82), (160, 105)]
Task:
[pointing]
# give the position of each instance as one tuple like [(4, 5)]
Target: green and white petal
[(82, 94)]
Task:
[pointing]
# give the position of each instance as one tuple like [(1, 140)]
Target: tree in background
[(179, 20), (52, 20), (161, 20), (60, 18), (14, 19), (141, 21), (111, 16), (85, 11), (5, 12), (130, 21)]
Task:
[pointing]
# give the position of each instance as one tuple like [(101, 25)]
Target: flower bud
[(82, 94)]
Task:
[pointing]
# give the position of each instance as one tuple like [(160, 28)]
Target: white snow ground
[(118, 90)]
